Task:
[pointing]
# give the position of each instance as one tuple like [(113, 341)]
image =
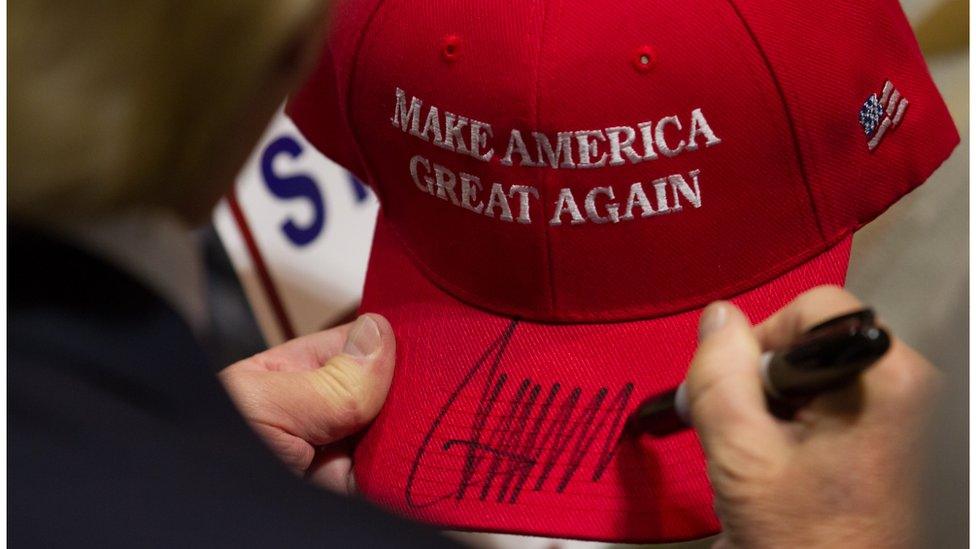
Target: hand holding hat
[(305, 396), (844, 469)]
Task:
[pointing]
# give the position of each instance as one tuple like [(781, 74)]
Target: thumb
[(297, 411), (724, 387), (348, 391)]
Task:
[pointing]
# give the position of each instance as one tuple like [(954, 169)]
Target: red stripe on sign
[(270, 290)]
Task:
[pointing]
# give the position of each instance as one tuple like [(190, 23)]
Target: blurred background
[(911, 264)]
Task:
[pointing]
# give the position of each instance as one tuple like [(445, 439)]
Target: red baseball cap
[(564, 186)]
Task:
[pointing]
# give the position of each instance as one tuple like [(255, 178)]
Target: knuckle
[(293, 451), (823, 301), (717, 358), (344, 391), (828, 292), (908, 377)]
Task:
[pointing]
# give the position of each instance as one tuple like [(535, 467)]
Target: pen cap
[(827, 357)]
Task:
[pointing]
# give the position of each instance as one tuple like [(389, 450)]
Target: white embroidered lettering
[(416, 177), (562, 157), (588, 149), (648, 140), (679, 185), (617, 146), (661, 143), (480, 132), (432, 124), (470, 187), (637, 197), (558, 152), (613, 213), (699, 126), (445, 181), (498, 198), (452, 131), (613, 146), (517, 145), (661, 195), (405, 118), (566, 203), (523, 191)]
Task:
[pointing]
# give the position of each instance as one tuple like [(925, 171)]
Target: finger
[(804, 312), (786, 325), (332, 469), (323, 405), (353, 384), (903, 383), (348, 391), (333, 472), (898, 382), (300, 354), (897, 390), (724, 388)]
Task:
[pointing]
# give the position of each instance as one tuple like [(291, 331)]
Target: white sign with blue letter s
[(298, 229)]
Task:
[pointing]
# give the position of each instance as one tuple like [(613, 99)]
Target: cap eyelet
[(644, 58), (451, 48)]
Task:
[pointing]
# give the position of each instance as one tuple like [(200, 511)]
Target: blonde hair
[(114, 103)]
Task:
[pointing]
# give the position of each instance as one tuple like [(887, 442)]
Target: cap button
[(450, 48), (644, 58)]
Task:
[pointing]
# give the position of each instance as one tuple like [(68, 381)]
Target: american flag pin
[(877, 116)]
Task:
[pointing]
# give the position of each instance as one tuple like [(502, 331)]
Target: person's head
[(120, 104)]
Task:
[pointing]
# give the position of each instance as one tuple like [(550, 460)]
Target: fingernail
[(363, 339), (713, 318)]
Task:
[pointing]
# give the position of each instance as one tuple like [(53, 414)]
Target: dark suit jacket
[(120, 435)]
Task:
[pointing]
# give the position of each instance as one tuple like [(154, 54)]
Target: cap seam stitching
[(545, 174), (347, 115), (465, 297), (789, 118)]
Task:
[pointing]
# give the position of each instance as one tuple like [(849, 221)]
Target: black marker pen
[(826, 357)]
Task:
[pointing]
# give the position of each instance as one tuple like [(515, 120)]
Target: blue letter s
[(294, 186)]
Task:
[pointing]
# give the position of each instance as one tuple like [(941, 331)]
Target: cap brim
[(500, 425)]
